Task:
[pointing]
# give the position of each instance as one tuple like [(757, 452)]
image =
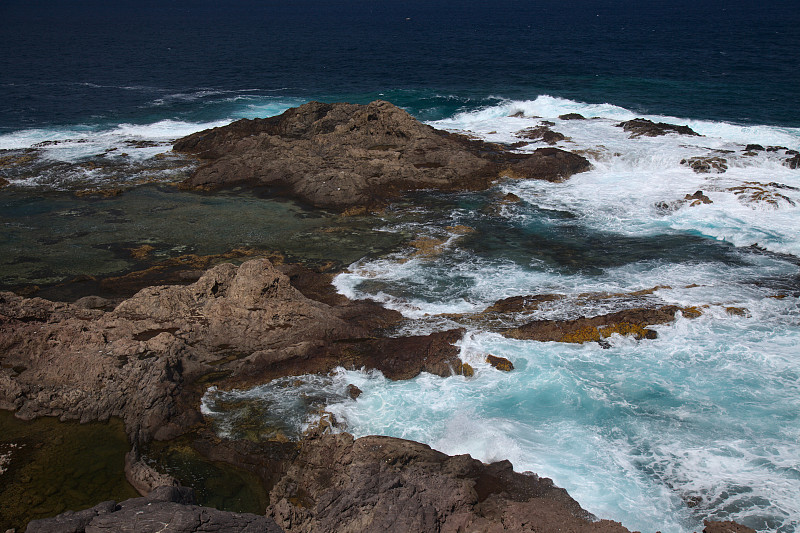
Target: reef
[(344, 156)]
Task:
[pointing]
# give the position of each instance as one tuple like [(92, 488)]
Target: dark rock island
[(347, 155)]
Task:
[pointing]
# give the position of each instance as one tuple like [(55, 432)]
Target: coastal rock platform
[(343, 156)]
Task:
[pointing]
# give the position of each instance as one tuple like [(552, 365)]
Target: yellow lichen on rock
[(691, 311), (500, 363), (141, 252), (467, 370)]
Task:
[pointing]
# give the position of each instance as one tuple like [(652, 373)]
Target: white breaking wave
[(639, 185)]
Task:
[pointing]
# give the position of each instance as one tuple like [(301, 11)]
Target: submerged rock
[(346, 155), (639, 127)]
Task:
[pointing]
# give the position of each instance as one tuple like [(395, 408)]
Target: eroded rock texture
[(381, 484), (346, 155)]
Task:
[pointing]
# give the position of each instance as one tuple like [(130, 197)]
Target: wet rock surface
[(641, 127), (541, 133), (346, 155), (632, 322), (706, 165)]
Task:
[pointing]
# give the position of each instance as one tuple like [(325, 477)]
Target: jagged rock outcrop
[(237, 325), (706, 165), (640, 127), (347, 155), (165, 509), (541, 133), (382, 484)]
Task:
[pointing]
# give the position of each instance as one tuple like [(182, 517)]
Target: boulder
[(705, 165), (639, 127), (500, 363), (344, 156)]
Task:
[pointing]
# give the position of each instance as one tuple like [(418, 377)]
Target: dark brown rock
[(639, 127), (353, 391), (793, 162), (382, 484), (753, 148), (541, 133), (725, 527), (521, 304), (572, 116), (551, 164), (347, 155), (632, 322), (500, 363), (3, 182), (697, 198), (705, 165), (148, 360), (165, 509)]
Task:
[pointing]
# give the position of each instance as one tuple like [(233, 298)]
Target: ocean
[(700, 423)]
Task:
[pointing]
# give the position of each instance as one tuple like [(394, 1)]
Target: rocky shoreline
[(148, 359)]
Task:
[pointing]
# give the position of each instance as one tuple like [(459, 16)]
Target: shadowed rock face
[(347, 155), (165, 509)]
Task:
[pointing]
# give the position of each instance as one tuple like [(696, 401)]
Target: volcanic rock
[(725, 527), (632, 322), (147, 360), (639, 127), (348, 155), (165, 509), (572, 116), (697, 198), (500, 363), (542, 133), (383, 484), (705, 165)]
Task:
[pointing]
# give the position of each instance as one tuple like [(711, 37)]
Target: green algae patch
[(48, 467), (216, 484)]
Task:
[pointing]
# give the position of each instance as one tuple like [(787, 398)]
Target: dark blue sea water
[(91, 61)]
